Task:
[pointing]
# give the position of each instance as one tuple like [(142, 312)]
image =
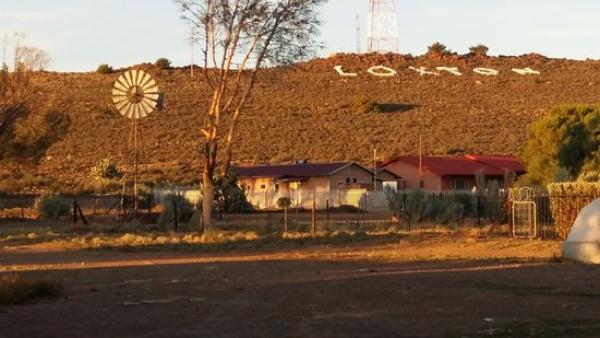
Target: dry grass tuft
[(91, 241), (19, 290)]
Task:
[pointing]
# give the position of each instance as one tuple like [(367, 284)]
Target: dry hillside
[(307, 111)]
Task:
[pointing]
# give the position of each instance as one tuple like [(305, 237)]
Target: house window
[(354, 180), (263, 187), (276, 186), (347, 180), (460, 184)]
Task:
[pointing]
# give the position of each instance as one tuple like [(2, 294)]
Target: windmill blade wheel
[(136, 94)]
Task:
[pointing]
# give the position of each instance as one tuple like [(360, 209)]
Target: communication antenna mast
[(383, 26), (358, 34), (192, 37)]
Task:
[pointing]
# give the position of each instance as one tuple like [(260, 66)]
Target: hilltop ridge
[(306, 111)]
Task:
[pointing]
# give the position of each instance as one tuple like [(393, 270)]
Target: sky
[(81, 34)]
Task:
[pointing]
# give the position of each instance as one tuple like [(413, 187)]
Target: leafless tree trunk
[(238, 38)]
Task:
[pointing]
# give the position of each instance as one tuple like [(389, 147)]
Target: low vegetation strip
[(15, 290)]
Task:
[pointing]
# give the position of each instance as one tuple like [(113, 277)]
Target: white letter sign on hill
[(382, 71), (451, 70), (486, 71), (525, 71), (341, 72), (423, 71)]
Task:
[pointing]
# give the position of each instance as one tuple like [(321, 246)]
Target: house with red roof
[(328, 184), (443, 173)]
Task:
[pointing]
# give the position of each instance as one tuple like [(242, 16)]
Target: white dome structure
[(583, 243)]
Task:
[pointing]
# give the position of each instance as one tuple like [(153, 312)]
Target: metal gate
[(524, 219)]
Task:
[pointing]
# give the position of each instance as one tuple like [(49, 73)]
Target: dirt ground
[(425, 285)]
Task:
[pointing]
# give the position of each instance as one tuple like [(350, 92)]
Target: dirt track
[(385, 290)]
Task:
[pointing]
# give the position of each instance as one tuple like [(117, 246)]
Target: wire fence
[(372, 211)]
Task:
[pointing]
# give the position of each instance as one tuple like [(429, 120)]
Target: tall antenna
[(4, 47), (383, 26), (192, 37), (358, 34)]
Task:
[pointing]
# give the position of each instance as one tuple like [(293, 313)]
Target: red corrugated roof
[(292, 170), (506, 163), (462, 165)]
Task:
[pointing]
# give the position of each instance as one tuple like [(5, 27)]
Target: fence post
[(74, 212), (314, 217), (175, 216), (285, 219), (22, 207), (477, 208)]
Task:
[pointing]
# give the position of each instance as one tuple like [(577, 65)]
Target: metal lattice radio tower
[(383, 26)]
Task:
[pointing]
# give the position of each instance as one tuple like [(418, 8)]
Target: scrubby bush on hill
[(438, 49), (104, 69), (163, 63), (479, 50), (105, 169), (365, 104), (31, 135)]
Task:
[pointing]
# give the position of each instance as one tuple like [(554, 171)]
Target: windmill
[(136, 95)]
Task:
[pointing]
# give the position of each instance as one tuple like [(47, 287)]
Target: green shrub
[(479, 50), (18, 290), (185, 210), (230, 197), (34, 133), (567, 200), (419, 205), (438, 49), (105, 169), (162, 63), (283, 202), (562, 145), (104, 69), (52, 207)]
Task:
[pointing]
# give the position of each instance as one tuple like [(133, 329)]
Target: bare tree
[(14, 90), (32, 58), (238, 38), (15, 87)]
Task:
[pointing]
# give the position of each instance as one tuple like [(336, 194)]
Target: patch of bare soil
[(419, 286)]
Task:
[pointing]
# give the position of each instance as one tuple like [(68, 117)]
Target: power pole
[(192, 52), (358, 49), (4, 47), (420, 161), (375, 169), (383, 26)]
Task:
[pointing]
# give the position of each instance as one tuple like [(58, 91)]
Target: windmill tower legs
[(135, 151), (383, 26)]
